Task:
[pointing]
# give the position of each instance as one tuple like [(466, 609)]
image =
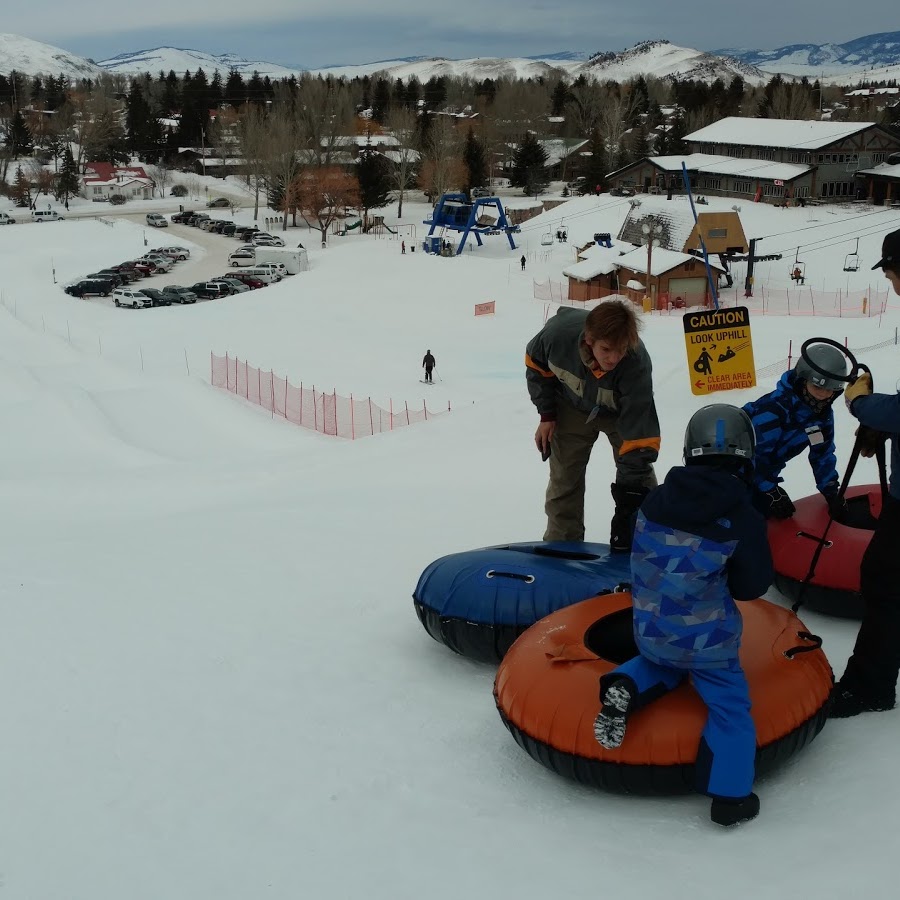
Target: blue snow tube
[(479, 601)]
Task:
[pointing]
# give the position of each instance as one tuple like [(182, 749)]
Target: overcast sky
[(315, 33)]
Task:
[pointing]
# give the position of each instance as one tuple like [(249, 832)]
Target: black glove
[(870, 439), (837, 507), (779, 504), (628, 502)]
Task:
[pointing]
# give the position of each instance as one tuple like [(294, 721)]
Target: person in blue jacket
[(699, 545), (796, 417), (869, 682)]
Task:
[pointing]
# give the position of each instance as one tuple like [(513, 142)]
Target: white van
[(46, 215), (268, 276), (157, 221)]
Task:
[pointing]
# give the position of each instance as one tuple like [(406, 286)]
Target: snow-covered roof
[(883, 169), (710, 163), (396, 156), (662, 261), (599, 261), (674, 216), (559, 148), (789, 133), (871, 91)]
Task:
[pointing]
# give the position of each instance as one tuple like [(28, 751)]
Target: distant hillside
[(34, 58), (166, 59), (874, 51)]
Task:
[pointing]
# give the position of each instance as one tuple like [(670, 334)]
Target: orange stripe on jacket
[(639, 444), (530, 363)]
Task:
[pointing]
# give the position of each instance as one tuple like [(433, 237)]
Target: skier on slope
[(428, 363)]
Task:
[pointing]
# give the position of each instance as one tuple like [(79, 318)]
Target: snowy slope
[(34, 58), (168, 59)]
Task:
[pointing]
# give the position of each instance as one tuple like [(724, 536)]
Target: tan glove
[(870, 439), (860, 388)]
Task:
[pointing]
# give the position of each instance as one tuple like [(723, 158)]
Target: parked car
[(141, 266), (117, 278), (178, 294), (100, 287), (241, 258), (210, 290), (481, 192), (155, 220), (278, 268), (243, 232), (183, 216), (251, 282), (269, 276), (267, 241), (130, 298), (6, 219), (195, 220), (176, 252), (159, 262), (156, 297), (220, 202), (234, 285), (228, 229)]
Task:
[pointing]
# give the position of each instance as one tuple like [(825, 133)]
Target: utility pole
[(651, 231), (203, 148)]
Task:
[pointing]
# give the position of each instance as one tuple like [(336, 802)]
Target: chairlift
[(851, 260), (798, 269), (547, 239)]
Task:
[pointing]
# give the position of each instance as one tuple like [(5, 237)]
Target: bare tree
[(251, 134), (324, 194), (792, 101), (616, 116), (324, 119), (585, 106), (443, 167), (162, 177), (282, 166), (402, 124)]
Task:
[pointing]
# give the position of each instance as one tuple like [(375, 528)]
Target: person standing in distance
[(589, 373), (428, 363), (869, 682)]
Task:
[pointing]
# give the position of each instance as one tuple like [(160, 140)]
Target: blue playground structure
[(457, 213)]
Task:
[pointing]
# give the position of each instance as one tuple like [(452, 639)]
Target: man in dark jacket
[(699, 546), (869, 683), (796, 417), (587, 374), (428, 363)]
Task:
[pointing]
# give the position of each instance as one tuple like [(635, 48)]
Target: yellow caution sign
[(719, 350)]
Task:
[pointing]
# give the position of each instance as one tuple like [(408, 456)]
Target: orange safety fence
[(327, 413)]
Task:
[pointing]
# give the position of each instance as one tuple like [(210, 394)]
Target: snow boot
[(846, 703), (609, 726), (728, 812)]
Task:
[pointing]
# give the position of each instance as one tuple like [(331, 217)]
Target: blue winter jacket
[(699, 545), (785, 426), (882, 412)]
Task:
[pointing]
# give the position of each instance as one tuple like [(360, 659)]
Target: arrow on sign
[(698, 384)]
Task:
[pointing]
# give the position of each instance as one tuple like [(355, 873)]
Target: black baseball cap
[(890, 252)]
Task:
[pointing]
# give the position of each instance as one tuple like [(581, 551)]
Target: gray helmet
[(719, 430), (827, 358)]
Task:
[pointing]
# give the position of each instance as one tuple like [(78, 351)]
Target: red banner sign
[(485, 309)]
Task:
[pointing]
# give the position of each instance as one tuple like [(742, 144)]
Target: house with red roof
[(101, 180)]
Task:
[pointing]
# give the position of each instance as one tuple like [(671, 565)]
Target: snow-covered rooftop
[(713, 164), (884, 170), (661, 261), (599, 261), (777, 132)]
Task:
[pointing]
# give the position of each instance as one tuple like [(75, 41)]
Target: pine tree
[(528, 165), (235, 89), (475, 158), (374, 181), (597, 163), (559, 98), (18, 136), (67, 183), (21, 189)]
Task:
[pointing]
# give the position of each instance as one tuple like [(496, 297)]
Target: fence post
[(425, 409), (790, 349), (334, 400), (315, 410), (352, 428), (211, 370), (372, 424), (407, 411), (391, 401)]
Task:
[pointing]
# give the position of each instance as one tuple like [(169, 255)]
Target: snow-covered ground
[(216, 685)]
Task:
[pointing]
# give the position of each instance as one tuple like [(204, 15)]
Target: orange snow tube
[(547, 693)]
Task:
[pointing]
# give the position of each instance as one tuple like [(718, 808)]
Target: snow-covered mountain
[(665, 60), (478, 68), (166, 59), (34, 58), (874, 51)]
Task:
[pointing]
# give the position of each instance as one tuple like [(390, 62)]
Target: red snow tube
[(834, 587), (547, 693)]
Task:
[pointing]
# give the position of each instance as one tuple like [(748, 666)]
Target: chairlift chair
[(798, 269), (851, 260), (547, 239)]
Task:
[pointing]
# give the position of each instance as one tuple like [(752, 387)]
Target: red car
[(249, 280)]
